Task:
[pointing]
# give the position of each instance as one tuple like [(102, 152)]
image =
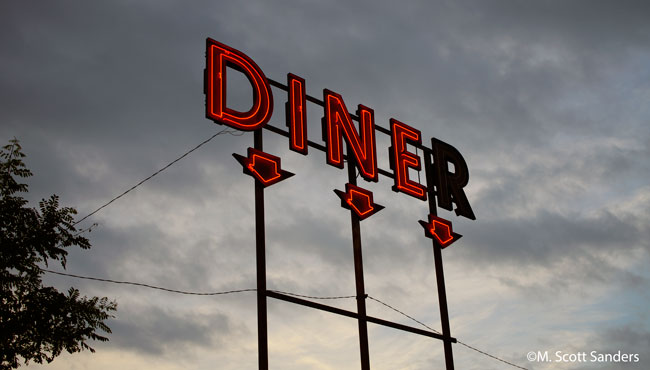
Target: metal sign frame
[(266, 170)]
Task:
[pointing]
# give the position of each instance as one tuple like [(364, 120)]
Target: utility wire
[(224, 131), (277, 291), (234, 133), (403, 314), (147, 285), (88, 229), (183, 291), (437, 332), (489, 355)]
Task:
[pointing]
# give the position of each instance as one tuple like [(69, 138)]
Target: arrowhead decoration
[(264, 167), (440, 231), (358, 200)]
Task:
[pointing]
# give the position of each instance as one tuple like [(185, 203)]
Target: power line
[(147, 285), (183, 291), (437, 332), (489, 355), (88, 229), (234, 133), (277, 291), (403, 314), (224, 131)]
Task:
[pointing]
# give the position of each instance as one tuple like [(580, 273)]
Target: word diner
[(337, 127)]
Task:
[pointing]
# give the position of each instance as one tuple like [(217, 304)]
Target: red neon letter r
[(218, 57), (449, 185)]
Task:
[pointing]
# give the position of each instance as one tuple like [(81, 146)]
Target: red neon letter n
[(339, 125)]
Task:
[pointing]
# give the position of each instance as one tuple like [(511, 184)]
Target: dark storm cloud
[(127, 54), (81, 80), (459, 76), (548, 236), (567, 175), (311, 236), (104, 94), (157, 331), (506, 80), (630, 340)]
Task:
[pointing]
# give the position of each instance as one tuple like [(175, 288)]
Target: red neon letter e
[(218, 57), (296, 110), (401, 160), (339, 125)]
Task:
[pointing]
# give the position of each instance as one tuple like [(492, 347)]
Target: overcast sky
[(547, 101)]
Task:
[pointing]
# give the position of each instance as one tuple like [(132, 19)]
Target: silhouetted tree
[(37, 322)]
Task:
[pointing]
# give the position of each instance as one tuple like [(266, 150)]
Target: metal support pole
[(358, 275), (260, 254), (440, 276)]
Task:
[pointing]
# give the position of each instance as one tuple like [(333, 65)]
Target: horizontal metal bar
[(304, 302), (280, 86), (354, 315), (353, 116), (320, 147), (383, 130), (411, 329), (385, 173), (285, 133), (309, 97)]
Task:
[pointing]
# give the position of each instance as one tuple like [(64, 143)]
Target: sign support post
[(440, 276), (260, 254), (443, 186), (358, 275)]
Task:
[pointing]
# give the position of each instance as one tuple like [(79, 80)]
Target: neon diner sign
[(339, 130), (443, 187)]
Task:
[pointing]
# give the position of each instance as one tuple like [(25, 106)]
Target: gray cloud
[(157, 331), (620, 341), (546, 101)]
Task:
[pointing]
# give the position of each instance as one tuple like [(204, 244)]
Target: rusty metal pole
[(440, 276), (358, 275), (260, 256)]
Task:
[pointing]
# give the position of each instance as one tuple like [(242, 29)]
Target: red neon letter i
[(296, 110)]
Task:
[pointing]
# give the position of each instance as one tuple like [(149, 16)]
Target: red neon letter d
[(218, 57)]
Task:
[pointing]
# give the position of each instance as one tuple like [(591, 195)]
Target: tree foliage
[(38, 322)]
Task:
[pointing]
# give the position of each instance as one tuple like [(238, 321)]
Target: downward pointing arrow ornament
[(264, 167), (440, 231), (358, 200)]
